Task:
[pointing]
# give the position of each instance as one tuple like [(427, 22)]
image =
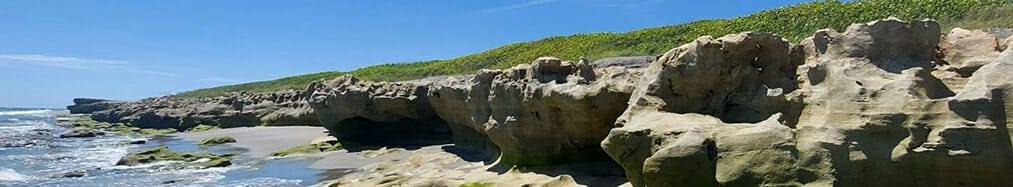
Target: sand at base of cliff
[(262, 141), (443, 165)]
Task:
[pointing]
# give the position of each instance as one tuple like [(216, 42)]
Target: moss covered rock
[(476, 184), (311, 148), (200, 160), (155, 131), (84, 123), (215, 140), (202, 128)]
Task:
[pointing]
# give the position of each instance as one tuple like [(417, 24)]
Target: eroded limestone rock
[(882, 119), (858, 108), (681, 128), (88, 105), (962, 52), (377, 112), (549, 112), (233, 110)]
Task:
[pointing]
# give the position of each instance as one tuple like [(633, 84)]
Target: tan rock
[(547, 113), (964, 51), (377, 112), (866, 111), (681, 130)]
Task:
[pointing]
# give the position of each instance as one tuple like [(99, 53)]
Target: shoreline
[(254, 145), (260, 142)]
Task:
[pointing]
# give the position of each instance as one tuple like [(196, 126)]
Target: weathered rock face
[(464, 104), (87, 105), (377, 112), (679, 131), (875, 115), (866, 110), (962, 52), (549, 112), (235, 110)]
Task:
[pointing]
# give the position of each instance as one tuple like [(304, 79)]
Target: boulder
[(200, 160), (964, 51), (216, 140)]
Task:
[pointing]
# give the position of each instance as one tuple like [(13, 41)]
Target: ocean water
[(32, 154)]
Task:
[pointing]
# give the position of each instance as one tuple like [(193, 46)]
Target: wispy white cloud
[(58, 61), (625, 3), (76, 63), (530, 3), (219, 79)]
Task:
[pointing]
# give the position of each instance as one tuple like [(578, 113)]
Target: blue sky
[(52, 51)]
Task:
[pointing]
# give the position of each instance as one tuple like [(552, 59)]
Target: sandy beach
[(262, 141), (390, 166)]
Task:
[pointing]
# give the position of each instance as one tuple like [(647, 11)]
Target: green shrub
[(792, 22)]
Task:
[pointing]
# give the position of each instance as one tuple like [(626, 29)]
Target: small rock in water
[(137, 142), (82, 133), (75, 174)]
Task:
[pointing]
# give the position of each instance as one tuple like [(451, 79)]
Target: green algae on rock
[(476, 184), (85, 123), (215, 140), (310, 148), (202, 128), (200, 160)]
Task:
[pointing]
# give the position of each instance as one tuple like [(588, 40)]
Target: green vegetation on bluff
[(792, 22), (293, 82)]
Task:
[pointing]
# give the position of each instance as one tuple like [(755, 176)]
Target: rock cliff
[(234, 110), (377, 112), (858, 108), (89, 105), (520, 110)]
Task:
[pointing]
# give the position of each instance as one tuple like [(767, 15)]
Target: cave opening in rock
[(359, 133)]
